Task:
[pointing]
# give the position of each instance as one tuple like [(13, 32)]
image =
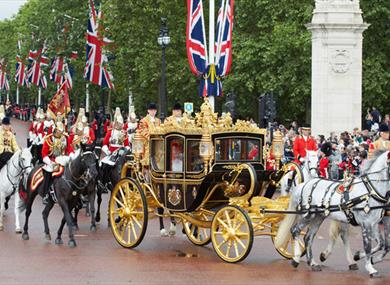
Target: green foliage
[(271, 51)]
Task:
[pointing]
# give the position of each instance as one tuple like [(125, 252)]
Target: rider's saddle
[(38, 176)]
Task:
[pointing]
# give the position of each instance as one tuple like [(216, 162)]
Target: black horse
[(109, 175), (65, 190)]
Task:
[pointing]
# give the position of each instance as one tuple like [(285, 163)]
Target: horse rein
[(22, 169)]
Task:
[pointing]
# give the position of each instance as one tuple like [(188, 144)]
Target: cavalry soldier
[(382, 143), (116, 137), (302, 143), (54, 151), (8, 145), (48, 125), (81, 135), (131, 126), (37, 134)]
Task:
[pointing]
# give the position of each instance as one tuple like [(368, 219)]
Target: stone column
[(337, 36)]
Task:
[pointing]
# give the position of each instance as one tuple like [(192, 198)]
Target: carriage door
[(175, 163)]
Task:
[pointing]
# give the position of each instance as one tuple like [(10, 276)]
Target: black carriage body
[(184, 186)]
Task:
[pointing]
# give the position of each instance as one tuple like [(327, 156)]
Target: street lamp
[(163, 40)]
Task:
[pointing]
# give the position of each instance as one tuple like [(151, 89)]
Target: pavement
[(98, 259)]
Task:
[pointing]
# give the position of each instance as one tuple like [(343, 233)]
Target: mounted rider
[(8, 144), (82, 134), (382, 143), (115, 138), (55, 150), (131, 126), (302, 143)]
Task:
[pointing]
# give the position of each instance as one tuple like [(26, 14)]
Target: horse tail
[(334, 229), (289, 220)]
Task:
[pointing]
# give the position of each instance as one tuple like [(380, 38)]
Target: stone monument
[(337, 36)]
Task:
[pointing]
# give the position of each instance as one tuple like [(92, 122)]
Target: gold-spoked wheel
[(287, 250), (232, 234), (197, 234), (128, 213)]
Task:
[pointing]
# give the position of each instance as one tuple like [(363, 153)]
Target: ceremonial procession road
[(98, 259)]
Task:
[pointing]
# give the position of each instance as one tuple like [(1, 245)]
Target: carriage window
[(237, 149), (175, 154), (194, 160), (157, 155)]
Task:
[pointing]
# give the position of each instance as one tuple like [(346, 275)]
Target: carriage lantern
[(277, 148), (206, 149), (138, 145)]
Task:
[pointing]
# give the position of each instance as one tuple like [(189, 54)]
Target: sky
[(10, 7)]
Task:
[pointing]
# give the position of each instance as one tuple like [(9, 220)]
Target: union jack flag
[(36, 74), (211, 70), (21, 70), (4, 82), (67, 76), (56, 69), (96, 62)]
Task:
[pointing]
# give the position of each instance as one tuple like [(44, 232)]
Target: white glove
[(47, 161), (301, 159), (106, 150)]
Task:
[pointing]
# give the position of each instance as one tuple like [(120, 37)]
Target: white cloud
[(10, 7)]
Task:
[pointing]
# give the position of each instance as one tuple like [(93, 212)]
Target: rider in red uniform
[(302, 143)]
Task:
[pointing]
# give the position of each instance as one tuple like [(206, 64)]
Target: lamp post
[(163, 40)]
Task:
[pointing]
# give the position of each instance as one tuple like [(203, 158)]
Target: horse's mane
[(368, 164)]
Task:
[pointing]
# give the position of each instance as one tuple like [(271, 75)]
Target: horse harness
[(10, 178), (347, 205)]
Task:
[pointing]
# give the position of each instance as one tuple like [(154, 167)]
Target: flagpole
[(7, 97), (39, 96), (17, 94), (87, 97), (211, 44)]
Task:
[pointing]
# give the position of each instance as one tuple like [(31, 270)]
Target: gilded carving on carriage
[(174, 195)]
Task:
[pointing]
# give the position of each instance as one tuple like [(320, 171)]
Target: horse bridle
[(22, 169), (85, 176)]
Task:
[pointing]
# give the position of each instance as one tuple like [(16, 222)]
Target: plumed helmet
[(118, 119), (326, 148), (79, 126), (59, 126), (133, 116), (84, 119), (384, 128)]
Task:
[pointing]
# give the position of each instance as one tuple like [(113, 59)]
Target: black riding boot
[(47, 179)]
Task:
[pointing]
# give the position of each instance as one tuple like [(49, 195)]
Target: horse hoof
[(163, 233), (375, 275), (18, 230), (59, 241), (322, 257), (25, 236), (294, 263), (47, 236), (353, 266), (72, 243), (316, 268), (356, 257), (93, 229)]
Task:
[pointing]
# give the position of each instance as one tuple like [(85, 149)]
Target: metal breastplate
[(59, 146), (117, 137)]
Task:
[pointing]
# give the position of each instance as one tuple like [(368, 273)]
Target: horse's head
[(89, 163), (311, 162), (25, 159)]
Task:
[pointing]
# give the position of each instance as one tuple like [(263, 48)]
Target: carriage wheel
[(196, 234), (232, 234), (287, 251), (128, 213)]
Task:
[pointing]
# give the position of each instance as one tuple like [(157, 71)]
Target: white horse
[(318, 199), (307, 171), (10, 176)]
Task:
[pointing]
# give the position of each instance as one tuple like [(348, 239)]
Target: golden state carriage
[(207, 173)]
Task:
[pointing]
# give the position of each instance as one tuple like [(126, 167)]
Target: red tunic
[(114, 146), (106, 125), (324, 163), (94, 125), (301, 145), (47, 148)]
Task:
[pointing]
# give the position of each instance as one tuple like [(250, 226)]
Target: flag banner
[(210, 70), (96, 62), (4, 82), (60, 104), (35, 73)]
